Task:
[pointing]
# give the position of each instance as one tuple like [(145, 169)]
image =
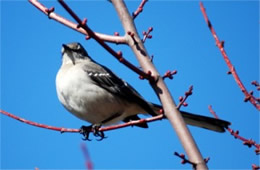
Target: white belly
[(86, 100)]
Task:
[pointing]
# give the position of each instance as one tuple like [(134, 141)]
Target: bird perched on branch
[(93, 93)]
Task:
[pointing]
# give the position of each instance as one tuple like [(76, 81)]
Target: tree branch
[(247, 142), (220, 45), (139, 9), (52, 15), (61, 129), (184, 160), (183, 99), (160, 88)]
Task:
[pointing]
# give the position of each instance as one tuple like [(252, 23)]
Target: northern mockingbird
[(93, 93)]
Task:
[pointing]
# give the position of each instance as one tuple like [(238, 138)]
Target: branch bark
[(159, 86)]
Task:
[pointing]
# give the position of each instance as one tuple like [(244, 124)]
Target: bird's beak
[(67, 49), (64, 48)]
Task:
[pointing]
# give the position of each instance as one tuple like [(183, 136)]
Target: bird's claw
[(97, 132), (86, 130)]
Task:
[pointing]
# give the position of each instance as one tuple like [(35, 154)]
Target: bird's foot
[(86, 130)]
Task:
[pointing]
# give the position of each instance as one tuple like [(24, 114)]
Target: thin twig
[(247, 142), (147, 34), (255, 167), (184, 160), (61, 129), (220, 45), (169, 74), (132, 123), (256, 84), (139, 9), (183, 99), (52, 15)]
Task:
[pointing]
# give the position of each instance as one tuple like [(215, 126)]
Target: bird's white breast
[(83, 98)]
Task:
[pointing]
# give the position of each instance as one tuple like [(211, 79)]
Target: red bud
[(116, 33)]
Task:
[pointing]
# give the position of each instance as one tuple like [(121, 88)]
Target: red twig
[(52, 15), (61, 129), (139, 9), (117, 55), (132, 123), (247, 142), (255, 167), (147, 34), (169, 74), (183, 99), (207, 159), (88, 162), (213, 112), (108, 128), (220, 44), (256, 84), (184, 160)]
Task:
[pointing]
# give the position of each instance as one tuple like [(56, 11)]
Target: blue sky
[(30, 59)]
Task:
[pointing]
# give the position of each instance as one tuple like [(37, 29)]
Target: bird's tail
[(213, 124)]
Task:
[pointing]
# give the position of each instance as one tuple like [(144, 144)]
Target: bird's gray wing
[(106, 79)]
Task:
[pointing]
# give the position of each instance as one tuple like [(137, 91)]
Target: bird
[(93, 93)]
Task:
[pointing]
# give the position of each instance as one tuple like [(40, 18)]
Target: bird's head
[(73, 52)]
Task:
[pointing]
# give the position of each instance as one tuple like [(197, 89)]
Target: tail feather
[(217, 125), (209, 123)]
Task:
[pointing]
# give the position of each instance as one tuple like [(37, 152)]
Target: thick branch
[(160, 88)]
